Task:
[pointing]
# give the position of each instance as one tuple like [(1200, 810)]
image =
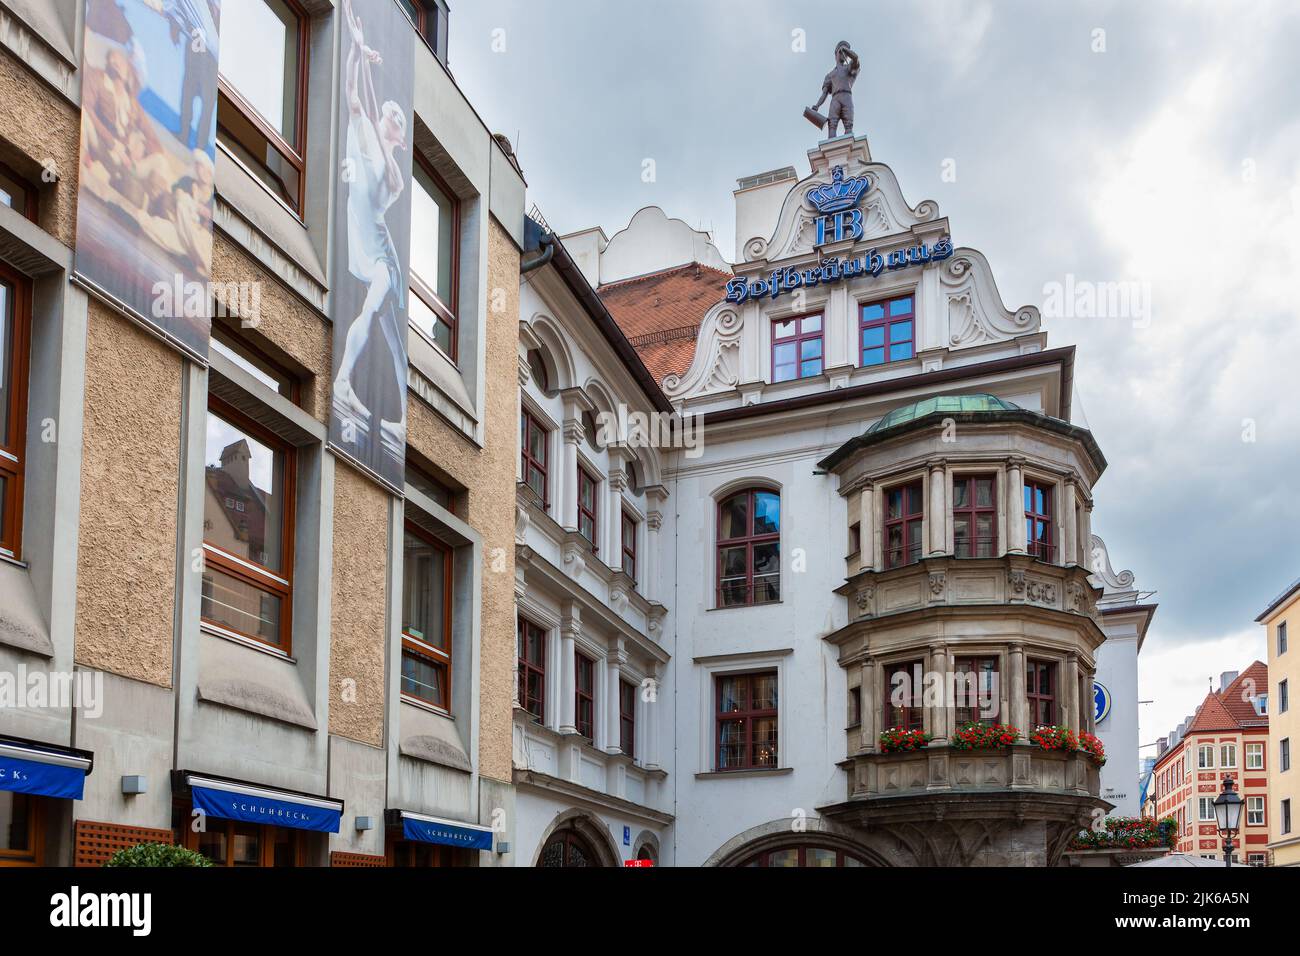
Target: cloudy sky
[(1156, 143)]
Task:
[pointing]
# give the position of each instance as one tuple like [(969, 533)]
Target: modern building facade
[(854, 377), (1281, 619), (281, 660), (1226, 737)]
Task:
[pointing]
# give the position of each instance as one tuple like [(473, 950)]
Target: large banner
[(372, 237), (148, 141)]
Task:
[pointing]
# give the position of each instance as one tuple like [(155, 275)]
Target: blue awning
[(44, 771), (426, 829), (251, 804)]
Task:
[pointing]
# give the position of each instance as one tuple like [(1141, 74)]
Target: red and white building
[(1226, 737)]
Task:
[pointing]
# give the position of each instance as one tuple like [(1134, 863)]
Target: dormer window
[(796, 348), (887, 331)]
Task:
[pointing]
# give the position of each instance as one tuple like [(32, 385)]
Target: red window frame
[(13, 452), (584, 694), (428, 294), (629, 545), (1042, 703), (753, 755), (910, 513), (416, 647), (276, 583), (886, 322), (1040, 532), (528, 427), (531, 653), (749, 541), (970, 712), (253, 123), (975, 545), (627, 717), (910, 715), (587, 515), (796, 338)]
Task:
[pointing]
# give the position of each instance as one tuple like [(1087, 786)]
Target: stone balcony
[(945, 581), (943, 769)]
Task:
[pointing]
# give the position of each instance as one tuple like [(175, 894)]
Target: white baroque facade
[(888, 477)]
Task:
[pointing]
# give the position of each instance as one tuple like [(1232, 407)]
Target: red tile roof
[(1212, 715), (660, 313), (1252, 682)]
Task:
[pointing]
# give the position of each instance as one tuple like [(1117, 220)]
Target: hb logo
[(846, 224)]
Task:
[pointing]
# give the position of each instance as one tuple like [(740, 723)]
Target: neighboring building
[(856, 378), (589, 768), (267, 621), (1281, 620), (1146, 790), (1126, 615), (1226, 737)]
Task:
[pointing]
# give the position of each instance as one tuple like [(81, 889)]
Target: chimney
[(758, 204), (1226, 678)]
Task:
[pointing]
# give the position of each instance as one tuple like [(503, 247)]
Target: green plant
[(156, 855)]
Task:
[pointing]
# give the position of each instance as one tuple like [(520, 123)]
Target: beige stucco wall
[(1284, 786), (488, 474), (126, 559), (41, 131), (358, 606)]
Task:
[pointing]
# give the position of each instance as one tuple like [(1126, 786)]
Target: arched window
[(749, 548), (568, 848), (805, 856), (537, 368)]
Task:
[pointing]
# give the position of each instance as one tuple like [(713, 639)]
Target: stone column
[(570, 626), (937, 663), (656, 497), (566, 509), (613, 692), (1019, 703), (1088, 708), (525, 376), (1085, 532), (613, 536), (1017, 539), (1070, 524), (1070, 684), (937, 516), (869, 705), (867, 528)]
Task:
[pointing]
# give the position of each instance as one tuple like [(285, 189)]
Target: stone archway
[(780, 835), (577, 838)]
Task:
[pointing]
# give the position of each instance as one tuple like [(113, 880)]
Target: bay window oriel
[(974, 516), (1038, 520), (903, 697), (1040, 689), (904, 517)]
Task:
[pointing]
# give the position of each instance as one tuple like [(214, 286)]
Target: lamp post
[(1227, 812)]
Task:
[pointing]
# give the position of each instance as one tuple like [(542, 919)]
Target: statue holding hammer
[(838, 85)]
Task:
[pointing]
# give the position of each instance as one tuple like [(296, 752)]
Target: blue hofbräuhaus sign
[(834, 269)]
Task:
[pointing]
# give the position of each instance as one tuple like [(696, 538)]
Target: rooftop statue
[(838, 85)]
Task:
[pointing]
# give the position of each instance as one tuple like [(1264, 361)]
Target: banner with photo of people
[(372, 238), (148, 144)]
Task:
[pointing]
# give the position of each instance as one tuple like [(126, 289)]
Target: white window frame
[(1254, 756), (1201, 751), (1254, 807), (1201, 807), (715, 667), (1226, 751)]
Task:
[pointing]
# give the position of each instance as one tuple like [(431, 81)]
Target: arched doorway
[(568, 848)]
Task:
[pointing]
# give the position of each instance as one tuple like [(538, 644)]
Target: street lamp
[(1227, 811)]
